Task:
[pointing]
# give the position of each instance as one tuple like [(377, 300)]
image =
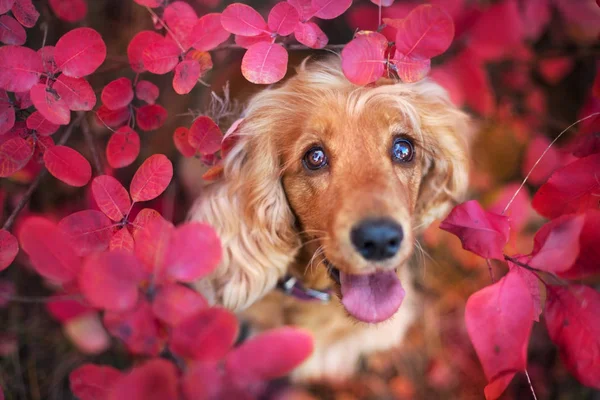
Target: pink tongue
[(371, 298)]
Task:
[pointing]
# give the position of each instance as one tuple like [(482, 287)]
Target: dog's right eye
[(315, 158)]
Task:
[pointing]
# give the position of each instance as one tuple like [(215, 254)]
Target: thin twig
[(530, 385), (87, 134), (40, 299), (489, 264)]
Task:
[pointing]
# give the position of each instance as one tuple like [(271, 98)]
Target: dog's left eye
[(315, 158), (403, 150)]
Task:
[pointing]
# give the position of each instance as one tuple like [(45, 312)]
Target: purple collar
[(293, 287)]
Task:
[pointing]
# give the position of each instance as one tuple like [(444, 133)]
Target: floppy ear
[(249, 210), (447, 133)]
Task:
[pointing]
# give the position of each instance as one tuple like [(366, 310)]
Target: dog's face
[(345, 176)]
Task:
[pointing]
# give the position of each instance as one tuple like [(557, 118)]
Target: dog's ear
[(447, 133), (249, 210)]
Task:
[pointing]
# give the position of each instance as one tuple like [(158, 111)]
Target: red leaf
[(573, 188), (93, 382), (573, 324), (80, 52), (156, 379), (589, 252), (11, 32), (150, 3), (136, 47), (9, 248), (20, 68), (111, 197), (25, 12), (533, 285), (76, 92), (520, 209), (174, 303), (41, 125), (151, 178), (110, 280), (89, 231), (474, 81), (208, 32), (69, 10), (151, 245), (151, 117), (309, 34), (425, 33), (161, 56), (6, 5), (117, 94), (499, 319), (69, 166), (64, 309), (181, 18), (546, 165), (147, 91), (122, 240), (50, 104), (205, 136), (329, 9), (206, 336), (145, 216), (206, 380), (194, 252), (112, 119), (181, 140), (7, 113), (244, 20), (186, 76), (586, 145), (480, 231), (556, 244), (265, 63), (47, 53), (123, 147), (283, 19), (49, 250), (247, 41), (15, 153), (363, 59), (281, 350), (553, 70), (411, 69), (23, 100)]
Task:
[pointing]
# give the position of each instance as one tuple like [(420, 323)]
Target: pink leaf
[(76, 92), (151, 178), (15, 153), (181, 18), (586, 263), (181, 140), (150, 3), (123, 147), (89, 231), (80, 52), (363, 59), (244, 20), (136, 47), (411, 69), (247, 41), (206, 380), (161, 56), (151, 117), (25, 12), (520, 209), (62, 308), (206, 336), (117, 94), (573, 324), (208, 32), (426, 32), (6, 5), (546, 165), (480, 232), (49, 103), (111, 197), (151, 245), (283, 19), (532, 282), (47, 53), (122, 240), (11, 32), (9, 248), (174, 303), (7, 113), (40, 124), (20, 68), (265, 63), (499, 319), (110, 280), (329, 9), (147, 91), (113, 119), (49, 250), (93, 382), (69, 166), (309, 34), (69, 10), (145, 216), (205, 136), (556, 244), (156, 379), (186, 76)]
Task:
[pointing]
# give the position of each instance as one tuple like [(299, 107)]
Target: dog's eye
[(315, 158), (402, 150)]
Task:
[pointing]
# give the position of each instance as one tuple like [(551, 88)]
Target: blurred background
[(524, 76)]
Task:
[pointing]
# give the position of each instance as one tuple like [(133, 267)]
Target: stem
[(164, 24), (489, 264), (530, 385), (232, 46), (85, 127)]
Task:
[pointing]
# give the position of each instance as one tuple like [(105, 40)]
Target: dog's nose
[(377, 239)]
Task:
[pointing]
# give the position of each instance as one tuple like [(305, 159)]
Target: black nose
[(377, 239)]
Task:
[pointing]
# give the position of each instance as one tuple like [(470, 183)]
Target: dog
[(325, 192)]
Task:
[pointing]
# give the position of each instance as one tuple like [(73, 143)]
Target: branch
[(85, 127), (38, 179)]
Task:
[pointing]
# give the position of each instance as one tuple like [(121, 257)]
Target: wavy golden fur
[(275, 217)]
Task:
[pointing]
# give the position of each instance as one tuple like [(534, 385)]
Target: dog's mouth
[(369, 298)]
